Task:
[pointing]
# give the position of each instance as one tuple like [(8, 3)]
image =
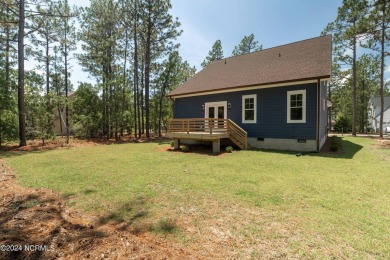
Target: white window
[(296, 106), (249, 108)]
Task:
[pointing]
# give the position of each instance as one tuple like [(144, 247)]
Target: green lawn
[(264, 203)]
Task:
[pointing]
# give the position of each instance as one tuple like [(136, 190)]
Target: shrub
[(185, 148), (172, 143), (86, 116), (343, 124), (334, 145), (229, 149)]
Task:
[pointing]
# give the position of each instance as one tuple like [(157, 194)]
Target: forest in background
[(130, 48)]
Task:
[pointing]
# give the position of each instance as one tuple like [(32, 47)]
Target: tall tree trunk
[(147, 73), (7, 52), (7, 70), (354, 96), (382, 68), (136, 99), (47, 66), (124, 83), (142, 98), (361, 110), (104, 102), (160, 115), (57, 88), (66, 83), (21, 109), (108, 110)]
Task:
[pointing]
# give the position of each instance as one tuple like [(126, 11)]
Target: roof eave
[(237, 88)]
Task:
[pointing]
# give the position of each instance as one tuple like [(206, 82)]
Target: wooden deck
[(204, 136), (206, 129)]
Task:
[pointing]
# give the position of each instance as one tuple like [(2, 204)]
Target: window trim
[(254, 96), (289, 94)]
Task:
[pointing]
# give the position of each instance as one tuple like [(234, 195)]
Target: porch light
[(229, 105), (202, 107)]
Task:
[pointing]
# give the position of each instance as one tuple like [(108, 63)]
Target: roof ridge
[(230, 57)]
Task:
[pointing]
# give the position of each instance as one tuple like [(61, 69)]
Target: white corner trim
[(254, 96), (295, 92)]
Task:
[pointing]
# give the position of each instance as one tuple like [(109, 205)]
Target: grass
[(313, 205)]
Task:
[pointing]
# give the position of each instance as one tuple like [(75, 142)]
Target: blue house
[(274, 99)]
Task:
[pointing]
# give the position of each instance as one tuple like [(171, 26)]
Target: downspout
[(318, 113)]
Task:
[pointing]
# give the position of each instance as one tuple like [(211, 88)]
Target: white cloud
[(30, 66), (348, 52), (193, 45)]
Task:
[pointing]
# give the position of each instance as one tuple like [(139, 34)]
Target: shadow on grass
[(134, 217), (350, 149), (17, 151), (202, 149), (129, 213), (10, 154)]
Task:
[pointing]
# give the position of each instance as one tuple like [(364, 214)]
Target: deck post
[(176, 145), (216, 146)]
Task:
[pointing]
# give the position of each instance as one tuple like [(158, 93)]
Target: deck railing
[(238, 135), (210, 125)]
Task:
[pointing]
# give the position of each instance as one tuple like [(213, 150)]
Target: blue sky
[(273, 22)]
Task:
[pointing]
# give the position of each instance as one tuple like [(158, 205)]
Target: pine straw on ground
[(209, 229), (383, 143), (60, 142), (41, 217)]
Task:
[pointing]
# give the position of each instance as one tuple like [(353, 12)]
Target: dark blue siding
[(271, 111)]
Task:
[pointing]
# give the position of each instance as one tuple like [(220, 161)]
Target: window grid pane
[(249, 113), (296, 107)]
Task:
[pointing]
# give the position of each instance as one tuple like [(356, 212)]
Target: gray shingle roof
[(307, 59)]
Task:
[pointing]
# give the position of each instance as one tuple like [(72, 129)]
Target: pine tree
[(368, 75), (175, 72), (160, 30), (247, 45), (8, 38), (67, 39), (100, 33), (216, 53), (347, 30), (379, 41), (45, 36)]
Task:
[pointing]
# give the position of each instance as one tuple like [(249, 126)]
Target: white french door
[(216, 110)]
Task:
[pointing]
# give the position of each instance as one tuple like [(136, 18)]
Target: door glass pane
[(221, 112), (221, 115), (211, 112)]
